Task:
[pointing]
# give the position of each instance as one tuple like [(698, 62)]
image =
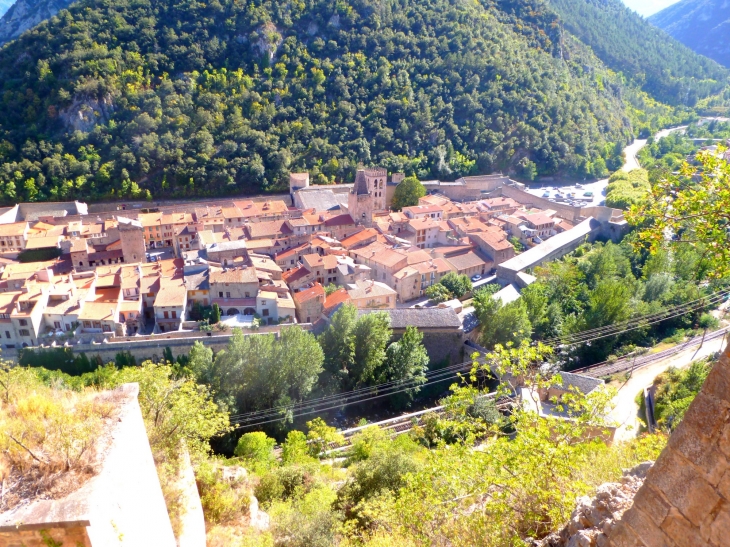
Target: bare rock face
[(25, 14), (84, 113), (593, 518)]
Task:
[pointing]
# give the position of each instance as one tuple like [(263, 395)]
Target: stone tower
[(131, 235), (376, 179), (360, 201)]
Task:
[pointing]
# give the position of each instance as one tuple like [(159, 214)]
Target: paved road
[(625, 412)]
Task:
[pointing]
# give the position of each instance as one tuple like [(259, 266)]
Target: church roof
[(360, 187)]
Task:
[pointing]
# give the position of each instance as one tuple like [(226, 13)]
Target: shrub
[(223, 501), (256, 447)]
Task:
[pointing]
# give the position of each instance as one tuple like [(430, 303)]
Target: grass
[(49, 437)]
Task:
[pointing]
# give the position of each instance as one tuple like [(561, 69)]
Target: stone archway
[(232, 311), (249, 311)]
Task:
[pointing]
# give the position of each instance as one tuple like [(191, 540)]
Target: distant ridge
[(702, 25)]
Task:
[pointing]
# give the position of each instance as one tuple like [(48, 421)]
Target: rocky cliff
[(25, 14), (702, 25)]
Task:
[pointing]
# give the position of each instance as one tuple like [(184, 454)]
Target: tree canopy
[(123, 99)]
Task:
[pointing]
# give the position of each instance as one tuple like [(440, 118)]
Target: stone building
[(131, 235), (367, 195)]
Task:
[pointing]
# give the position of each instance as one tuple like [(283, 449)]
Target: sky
[(648, 7)]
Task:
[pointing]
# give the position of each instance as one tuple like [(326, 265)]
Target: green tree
[(371, 336), (693, 207), (257, 371), (321, 436), (215, 315), (438, 293), (338, 346), (405, 365), (458, 285), (407, 193), (256, 447), (510, 323)]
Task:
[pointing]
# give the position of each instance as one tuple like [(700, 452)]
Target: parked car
[(476, 277), (588, 194), (546, 194)]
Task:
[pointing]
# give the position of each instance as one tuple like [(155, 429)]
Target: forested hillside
[(113, 99), (699, 24), (627, 43)]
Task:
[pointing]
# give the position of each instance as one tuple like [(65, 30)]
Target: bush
[(222, 501), (295, 448), (256, 447)]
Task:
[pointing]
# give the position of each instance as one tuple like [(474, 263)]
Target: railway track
[(632, 363)]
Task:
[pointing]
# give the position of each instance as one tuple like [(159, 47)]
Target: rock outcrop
[(594, 518), (26, 14)]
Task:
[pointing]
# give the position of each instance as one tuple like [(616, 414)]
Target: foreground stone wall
[(685, 499), (65, 533)]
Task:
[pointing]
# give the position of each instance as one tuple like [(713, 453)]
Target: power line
[(256, 424), (345, 397), (359, 396), (638, 322)]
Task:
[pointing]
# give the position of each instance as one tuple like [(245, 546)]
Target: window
[(263, 302), (81, 263), (265, 313), (166, 315), (220, 295), (7, 334), (228, 295), (174, 314), (106, 328), (248, 295), (57, 324), (23, 323), (24, 332)]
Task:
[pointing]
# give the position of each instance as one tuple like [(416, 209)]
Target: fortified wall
[(685, 499)]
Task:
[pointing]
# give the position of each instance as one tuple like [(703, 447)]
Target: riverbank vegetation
[(602, 284)]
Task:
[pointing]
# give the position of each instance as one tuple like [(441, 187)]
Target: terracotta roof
[(369, 288), (292, 251), (466, 261), (13, 229), (295, 274), (312, 293), (268, 229), (359, 237), (171, 293), (339, 220), (233, 275), (340, 296)]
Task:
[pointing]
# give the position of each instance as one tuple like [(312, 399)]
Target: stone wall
[(685, 499), (33, 535)]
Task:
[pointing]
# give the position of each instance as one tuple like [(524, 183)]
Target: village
[(80, 279)]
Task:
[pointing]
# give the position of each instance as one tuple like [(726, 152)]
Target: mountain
[(627, 43), (130, 98), (21, 15), (176, 97), (703, 25), (4, 6)]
